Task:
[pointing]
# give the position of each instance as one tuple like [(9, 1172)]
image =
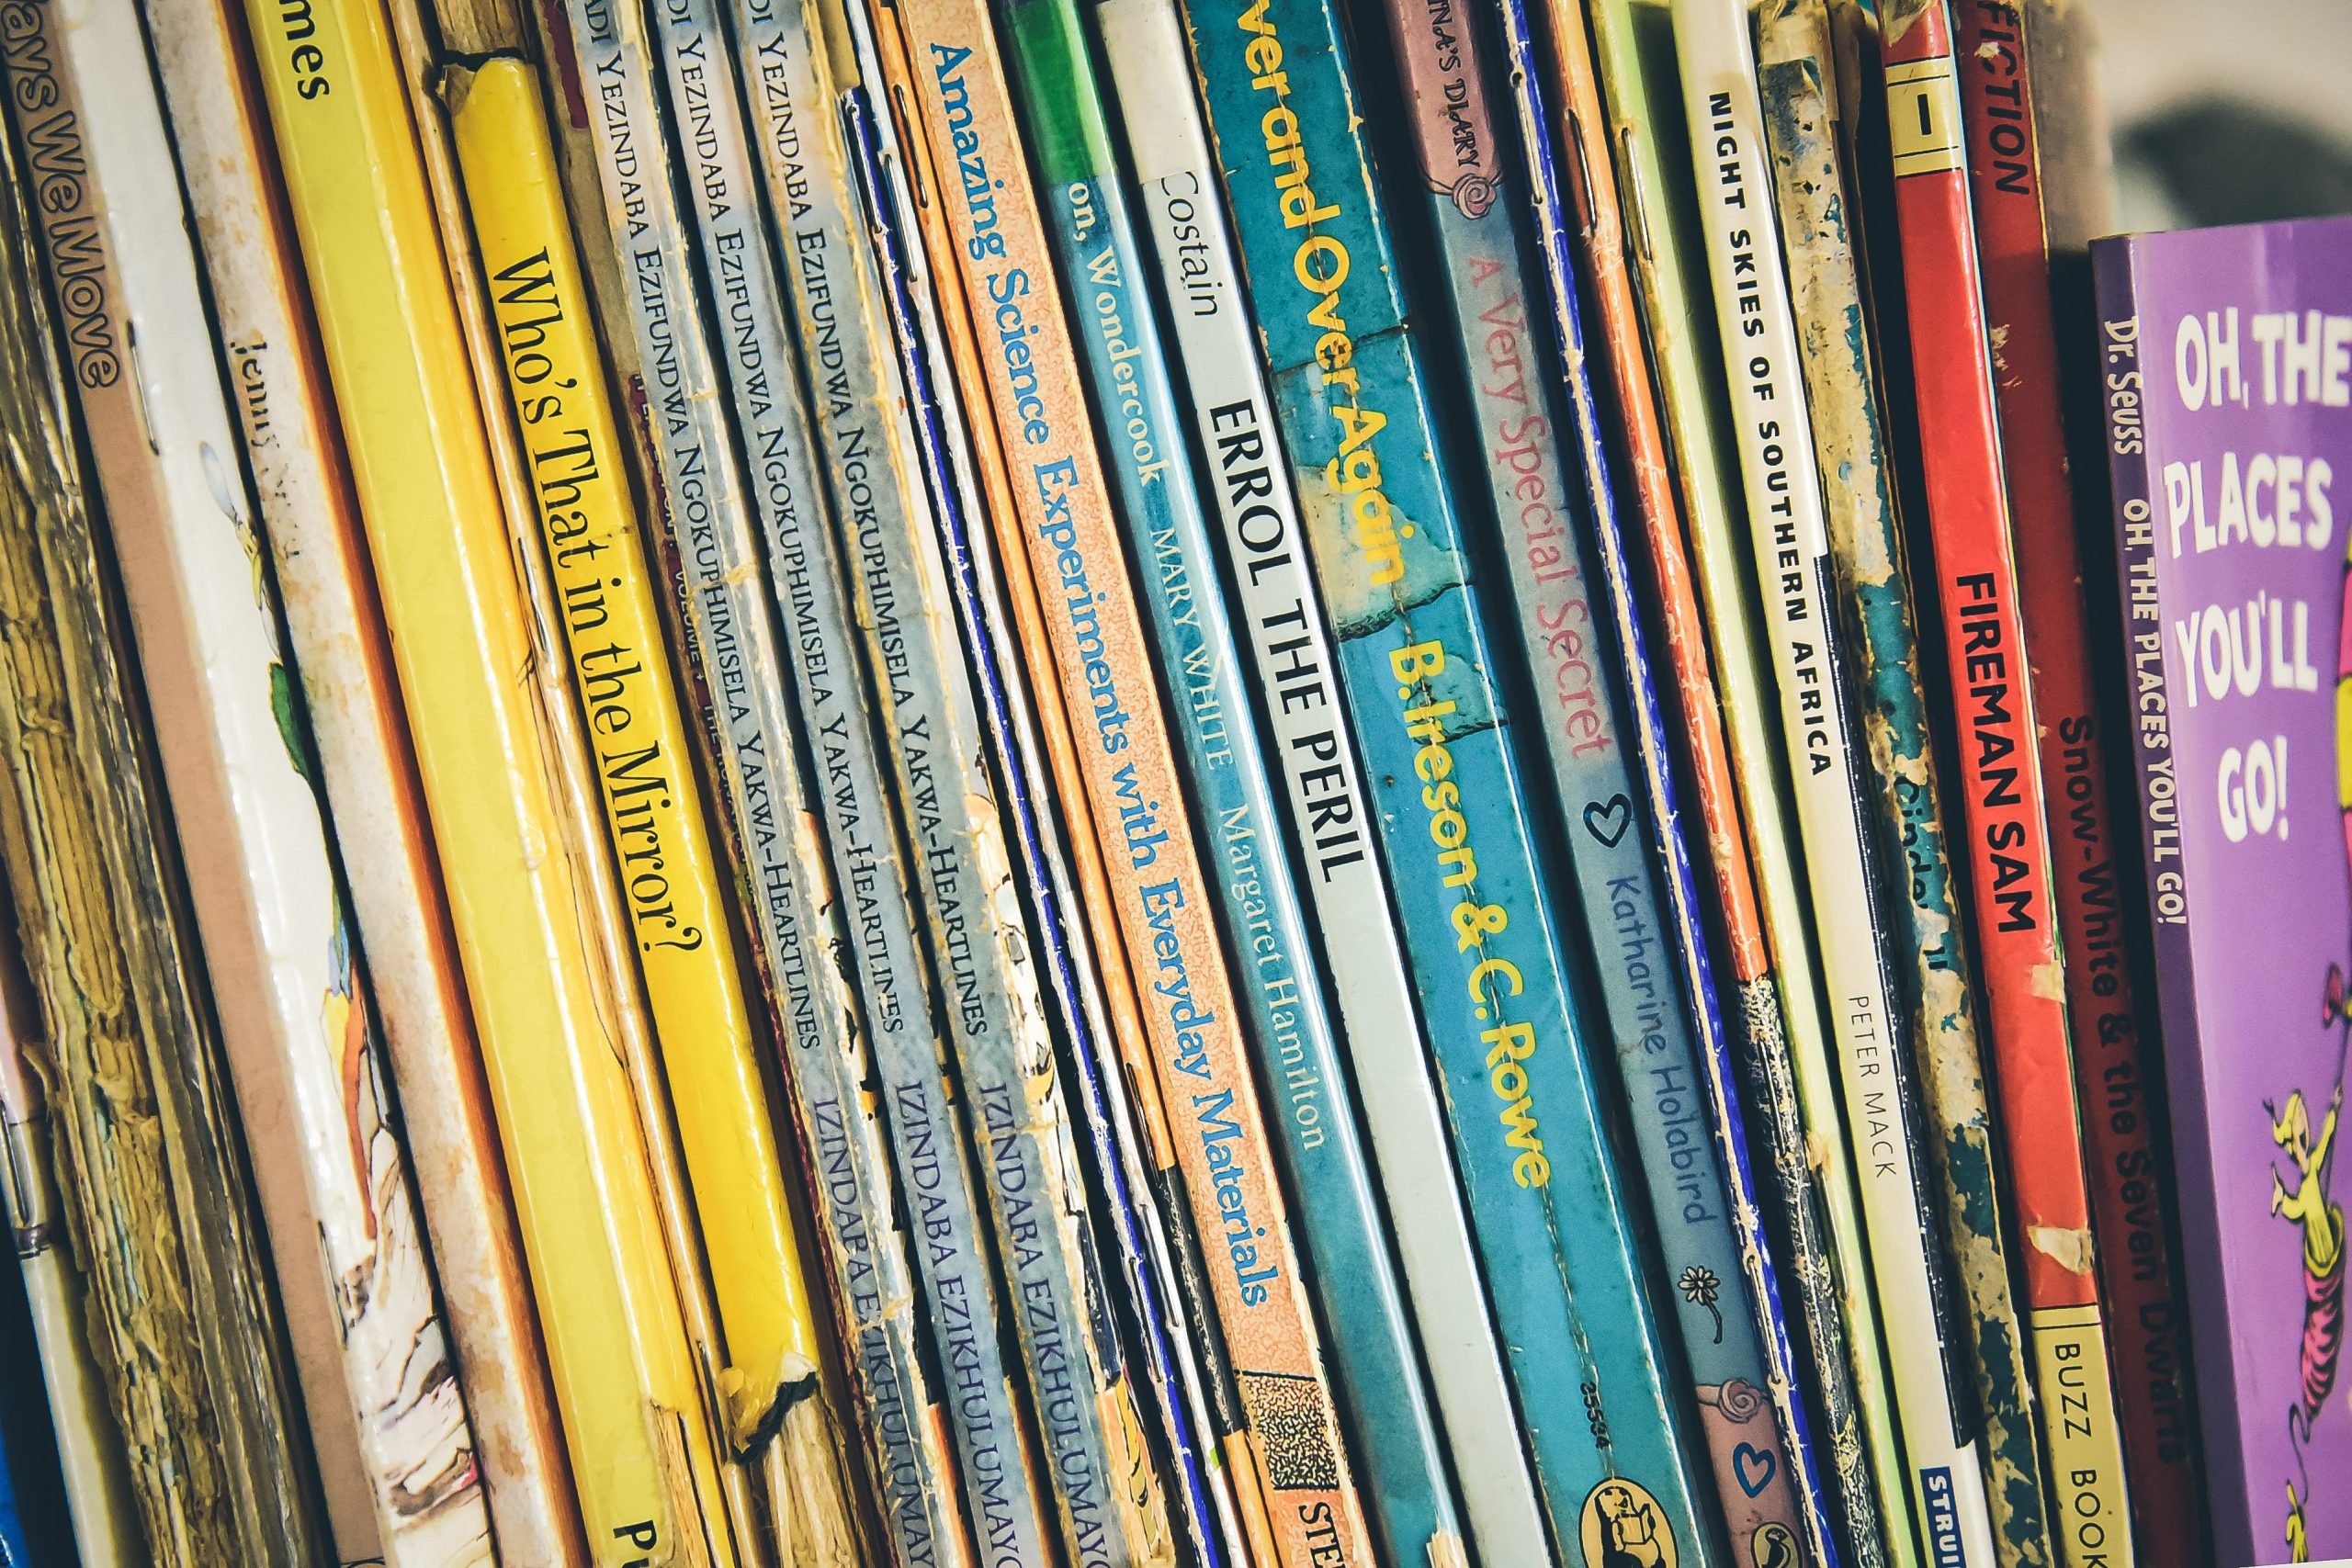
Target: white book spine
[(1791, 540)]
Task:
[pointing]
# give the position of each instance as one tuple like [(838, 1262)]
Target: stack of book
[(1099, 783)]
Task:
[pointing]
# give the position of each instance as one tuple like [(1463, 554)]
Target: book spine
[(1302, 1086), (1791, 1083), (1459, 832), (335, 628), (1598, 679), (1749, 1358), (1850, 442), (2166, 884), (1975, 1217), (1263, 543), (1193, 1403), (289, 987), (1791, 547), (605, 591), (100, 1509), (705, 513), (149, 1156), (2002, 787), (1108, 1489), (846, 783), (527, 914), (2146, 1323), (1296, 1482)]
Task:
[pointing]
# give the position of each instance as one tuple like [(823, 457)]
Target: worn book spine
[(1995, 716), (1790, 543), (1802, 115), (1303, 1085), (527, 916), (2147, 1327), (1459, 829), (1326, 815), (1746, 1367), (1697, 562), (705, 512), (1294, 1472), (148, 1155), (847, 786), (1108, 1489), (289, 983), (606, 596), (294, 452), (579, 786), (1072, 857), (1185, 1372), (774, 1468), (1959, 1099), (1005, 616), (101, 1512)]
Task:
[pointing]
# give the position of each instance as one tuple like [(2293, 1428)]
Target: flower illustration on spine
[(1699, 1287)]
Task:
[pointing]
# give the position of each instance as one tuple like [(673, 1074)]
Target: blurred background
[(2227, 111)]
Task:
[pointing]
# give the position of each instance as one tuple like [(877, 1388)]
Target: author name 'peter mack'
[(2259, 500)]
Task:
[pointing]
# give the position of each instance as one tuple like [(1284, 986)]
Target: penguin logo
[(1773, 1545)]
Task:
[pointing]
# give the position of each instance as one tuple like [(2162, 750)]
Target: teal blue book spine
[(1459, 826), (1546, 479), (1303, 1085), (1311, 744)]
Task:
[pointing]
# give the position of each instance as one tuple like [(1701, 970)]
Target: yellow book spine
[(624, 1380), (635, 729), (604, 601)]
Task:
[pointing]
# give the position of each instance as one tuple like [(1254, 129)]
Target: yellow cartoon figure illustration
[(2306, 1204), (2299, 1196)]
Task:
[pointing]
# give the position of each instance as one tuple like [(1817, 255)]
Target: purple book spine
[(2234, 573)]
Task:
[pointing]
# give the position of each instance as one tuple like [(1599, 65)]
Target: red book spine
[(2014, 910), (2147, 1327)]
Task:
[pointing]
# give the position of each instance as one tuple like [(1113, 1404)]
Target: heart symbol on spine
[(1608, 819), (1753, 1467)]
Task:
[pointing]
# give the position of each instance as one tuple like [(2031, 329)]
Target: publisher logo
[(1774, 1545), (1942, 1519), (1623, 1527)]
